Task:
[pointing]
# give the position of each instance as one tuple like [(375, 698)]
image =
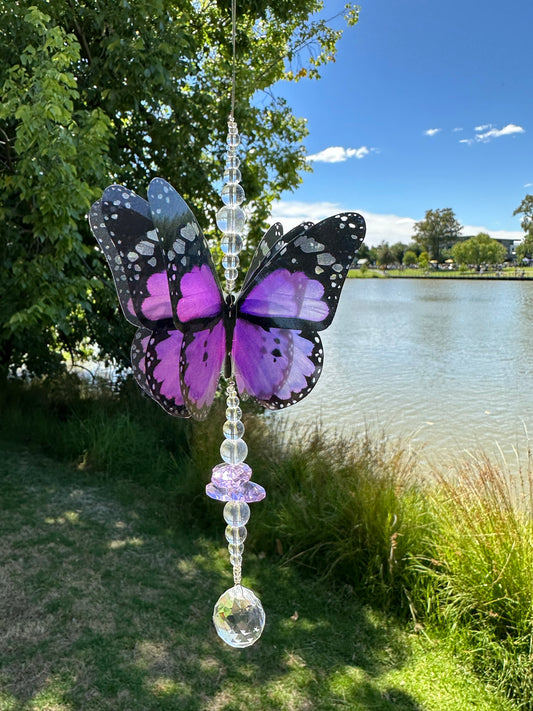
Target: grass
[(508, 272), (349, 532), (104, 607)]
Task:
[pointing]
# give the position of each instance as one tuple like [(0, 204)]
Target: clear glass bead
[(232, 126), (231, 275), (233, 414), (236, 534), (233, 430), (232, 175), (232, 194), (235, 549), (236, 513), (231, 219), (235, 560), (232, 161), (232, 400), (231, 244), (233, 140), (233, 451), (230, 261)]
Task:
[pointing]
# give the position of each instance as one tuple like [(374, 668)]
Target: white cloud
[(483, 127), (468, 141), (432, 131), (528, 185), (380, 227), (455, 130), (339, 154), (508, 130)]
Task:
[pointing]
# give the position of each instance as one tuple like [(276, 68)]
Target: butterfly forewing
[(195, 292), (122, 224)]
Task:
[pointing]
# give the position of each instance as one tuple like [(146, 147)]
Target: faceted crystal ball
[(239, 617)]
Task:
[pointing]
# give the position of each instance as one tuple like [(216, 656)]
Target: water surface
[(447, 363)]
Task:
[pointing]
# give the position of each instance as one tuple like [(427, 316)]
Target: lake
[(446, 363)]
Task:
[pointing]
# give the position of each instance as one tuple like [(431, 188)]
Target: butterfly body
[(188, 331)]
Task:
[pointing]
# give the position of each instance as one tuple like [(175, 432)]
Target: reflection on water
[(447, 363)]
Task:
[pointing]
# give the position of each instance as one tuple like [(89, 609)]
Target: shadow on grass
[(101, 608)]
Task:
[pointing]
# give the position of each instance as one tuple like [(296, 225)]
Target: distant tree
[(526, 209), (385, 256), (398, 249), (423, 260), (410, 258), (438, 228), (481, 249), (525, 248)]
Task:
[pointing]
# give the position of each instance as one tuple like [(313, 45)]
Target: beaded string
[(238, 615)]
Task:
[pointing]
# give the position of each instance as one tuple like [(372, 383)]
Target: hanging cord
[(233, 60)]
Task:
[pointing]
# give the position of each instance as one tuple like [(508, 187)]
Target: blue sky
[(429, 105)]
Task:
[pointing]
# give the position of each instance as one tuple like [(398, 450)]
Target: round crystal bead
[(230, 261), (236, 534), (233, 430), (232, 175), (236, 513), (231, 275), (233, 140), (235, 549), (230, 219), (239, 617), (231, 244), (232, 161), (232, 194), (233, 414), (233, 451)]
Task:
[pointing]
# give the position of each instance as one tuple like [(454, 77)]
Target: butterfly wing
[(292, 295), (195, 295)]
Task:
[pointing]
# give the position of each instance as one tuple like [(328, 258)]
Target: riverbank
[(377, 546), (71, 643), (525, 274)]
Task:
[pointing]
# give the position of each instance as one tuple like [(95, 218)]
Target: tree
[(423, 261), (481, 249), (438, 229), (384, 255), (526, 209), (525, 248), (96, 92), (398, 249), (410, 258)]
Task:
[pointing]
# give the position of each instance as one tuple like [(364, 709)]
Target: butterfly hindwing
[(276, 366), (202, 355)]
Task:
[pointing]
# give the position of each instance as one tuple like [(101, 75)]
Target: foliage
[(455, 555), (385, 255), (97, 92), (409, 258), (526, 209), (438, 229), (481, 249), (423, 260), (525, 248)]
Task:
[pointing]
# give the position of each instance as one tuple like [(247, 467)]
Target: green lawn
[(104, 608)]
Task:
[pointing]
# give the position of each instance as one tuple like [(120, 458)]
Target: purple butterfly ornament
[(188, 331)]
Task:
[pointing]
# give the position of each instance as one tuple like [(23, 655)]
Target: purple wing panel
[(299, 283), (122, 225), (278, 367), (202, 355), (195, 292)]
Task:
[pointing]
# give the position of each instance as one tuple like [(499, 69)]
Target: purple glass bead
[(231, 482), (231, 475), (249, 491)]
